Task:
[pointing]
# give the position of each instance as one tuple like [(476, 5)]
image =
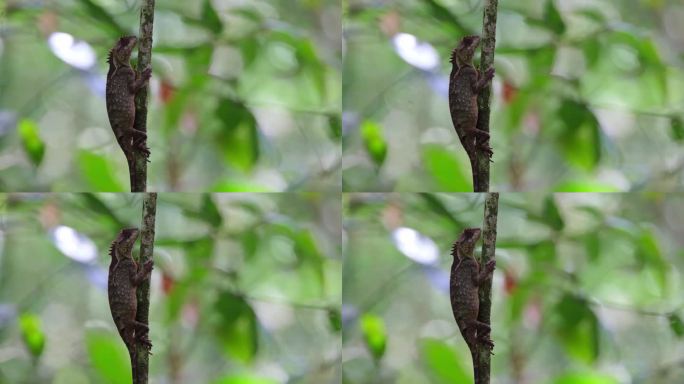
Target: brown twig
[(149, 213), (491, 210), (139, 176), (481, 174)]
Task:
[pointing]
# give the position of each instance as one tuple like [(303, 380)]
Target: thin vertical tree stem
[(149, 213), (481, 178), (491, 211), (139, 181)]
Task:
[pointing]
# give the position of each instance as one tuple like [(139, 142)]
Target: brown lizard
[(124, 277), (466, 278), (123, 83), (465, 83)]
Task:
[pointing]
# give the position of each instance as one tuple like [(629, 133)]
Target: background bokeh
[(246, 288), (587, 96), (245, 96), (587, 288)]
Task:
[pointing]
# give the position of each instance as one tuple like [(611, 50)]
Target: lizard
[(465, 84), (123, 83), (125, 275), (466, 277)]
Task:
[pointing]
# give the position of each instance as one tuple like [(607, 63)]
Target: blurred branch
[(140, 124), (149, 213), (491, 212), (481, 181)]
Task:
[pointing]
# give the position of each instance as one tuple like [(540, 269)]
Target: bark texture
[(149, 213), (491, 211), (139, 182), (481, 176)]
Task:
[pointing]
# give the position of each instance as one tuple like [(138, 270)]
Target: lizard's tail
[(476, 363), (134, 361)]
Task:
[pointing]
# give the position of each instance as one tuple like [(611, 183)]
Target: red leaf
[(166, 91), (509, 92)]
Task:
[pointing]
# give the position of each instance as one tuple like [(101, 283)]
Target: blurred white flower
[(419, 54), (415, 245), (78, 54), (73, 244)]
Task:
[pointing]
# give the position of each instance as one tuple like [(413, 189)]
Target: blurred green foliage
[(587, 288), (244, 290), (586, 97), (244, 96)]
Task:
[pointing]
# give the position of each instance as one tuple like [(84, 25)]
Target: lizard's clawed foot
[(491, 264), (146, 73), (487, 341), (489, 73), (485, 148), (149, 264)]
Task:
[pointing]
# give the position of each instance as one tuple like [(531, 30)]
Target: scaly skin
[(466, 278), (122, 85), (124, 278), (465, 83)]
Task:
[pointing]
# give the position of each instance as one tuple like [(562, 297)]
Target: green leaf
[(239, 186), (209, 212), (580, 139), (592, 14), (577, 328), (592, 51), (32, 334), (210, 19), (96, 171), (249, 49), (250, 243), (31, 141), (552, 215), (584, 186), (544, 250), (305, 52), (442, 362), (445, 169), (585, 378), (335, 319), (677, 128), (238, 138), (335, 127), (649, 253), (95, 204), (553, 18), (199, 249), (238, 326), (109, 357), (435, 204), (676, 324), (244, 379), (374, 335), (98, 13), (592, 245), (374, 142), (305, 247)]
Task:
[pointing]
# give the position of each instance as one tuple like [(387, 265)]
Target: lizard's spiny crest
[(465, 49)]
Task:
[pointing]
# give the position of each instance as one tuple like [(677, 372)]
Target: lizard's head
[(123, 48), (465, 245), (125, 240), (464, 52)]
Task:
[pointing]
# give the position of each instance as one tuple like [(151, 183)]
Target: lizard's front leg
[(483, 80), (140, 82), (486, 272), (143, 273)]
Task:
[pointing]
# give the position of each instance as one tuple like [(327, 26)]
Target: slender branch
[(139, 176), (481, 181), (491, 211), (149, 213)]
